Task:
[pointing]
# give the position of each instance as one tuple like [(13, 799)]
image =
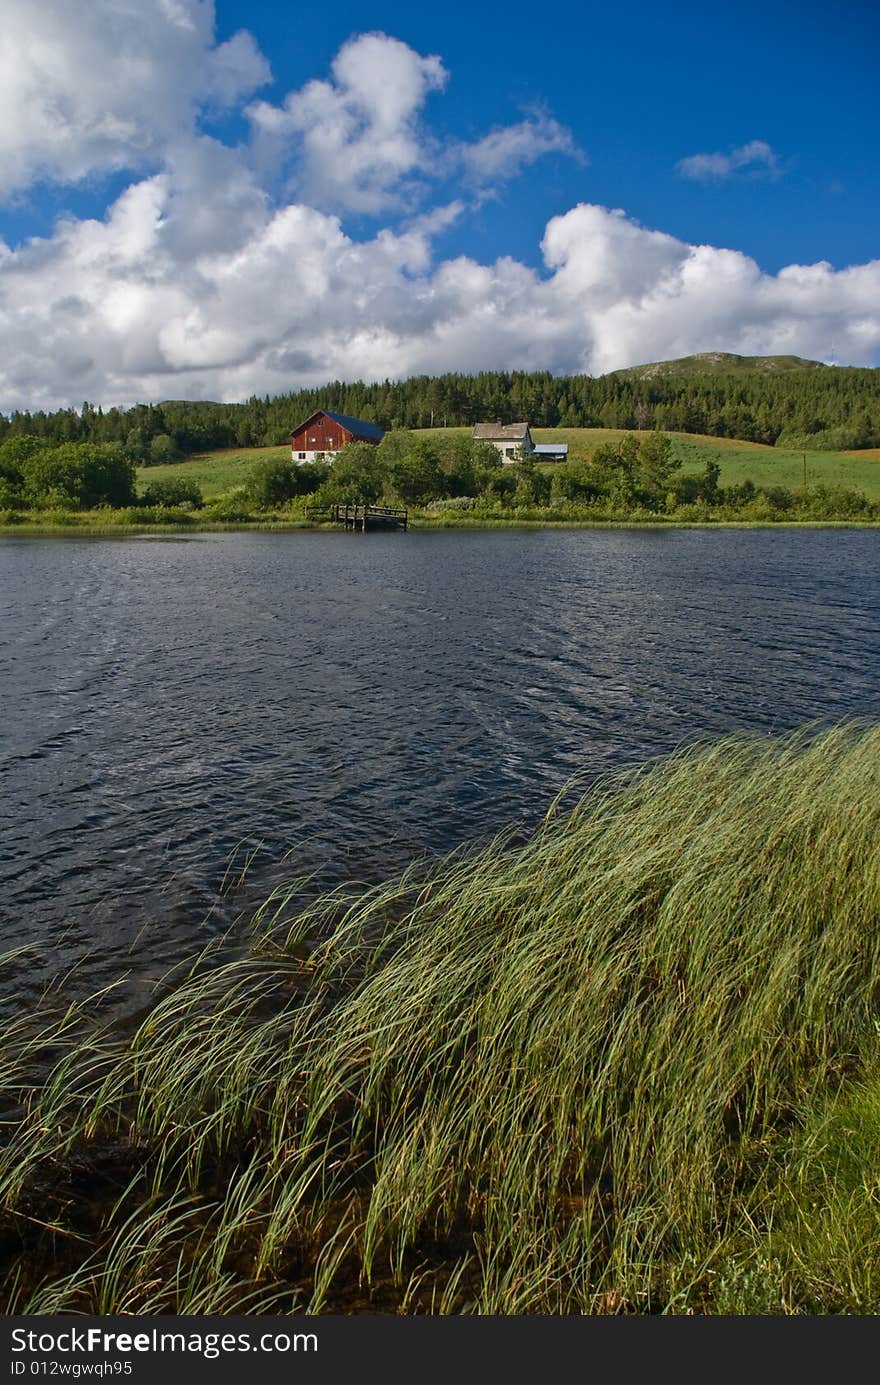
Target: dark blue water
[(353, 700)]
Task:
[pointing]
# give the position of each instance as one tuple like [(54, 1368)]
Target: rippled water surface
[(357, 699)]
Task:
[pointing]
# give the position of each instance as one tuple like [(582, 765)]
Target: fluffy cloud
[(201, 281), (110, 84), (356, 142), (142, 306), (754, 159), (356, 137)]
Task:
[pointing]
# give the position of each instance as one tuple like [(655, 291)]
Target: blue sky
[(216, 200), (642, 86)]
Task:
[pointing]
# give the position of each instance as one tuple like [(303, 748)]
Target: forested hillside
[(809, 405)]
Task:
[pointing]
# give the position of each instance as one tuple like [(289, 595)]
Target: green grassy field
[(631, 1065), (213, 472), (216, 472), (766, 466)]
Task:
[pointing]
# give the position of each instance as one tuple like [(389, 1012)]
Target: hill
[(717, 363)]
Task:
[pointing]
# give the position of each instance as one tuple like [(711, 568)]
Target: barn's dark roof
[(359, 426)]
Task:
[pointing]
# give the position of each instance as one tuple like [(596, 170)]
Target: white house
[(513, 441)]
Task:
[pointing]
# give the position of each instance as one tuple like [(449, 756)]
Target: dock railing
[(366, 517)]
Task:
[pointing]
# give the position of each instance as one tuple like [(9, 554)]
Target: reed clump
[(600, 1071)]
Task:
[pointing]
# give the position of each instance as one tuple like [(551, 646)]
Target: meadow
[(212, 472), (216, 472), (628, 1065)]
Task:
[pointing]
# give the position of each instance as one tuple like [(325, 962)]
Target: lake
[(339, 703)]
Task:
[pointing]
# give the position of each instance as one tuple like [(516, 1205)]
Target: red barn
[(325, 433)]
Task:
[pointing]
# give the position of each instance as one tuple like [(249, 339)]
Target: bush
[(229, 508), (359, 475), (10, 493), (162, 449), (271, 482), (834, 502), (456, 502), (172, 491), (694, 512), (78, 476), (778, 497), (274, 481)]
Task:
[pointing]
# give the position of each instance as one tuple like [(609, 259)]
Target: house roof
[(500, 432), (359, 426), (552, 449)]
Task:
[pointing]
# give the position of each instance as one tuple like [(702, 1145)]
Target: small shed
[(551, 452), (325, 433)]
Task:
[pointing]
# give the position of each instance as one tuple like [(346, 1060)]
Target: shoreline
[(97, 530)]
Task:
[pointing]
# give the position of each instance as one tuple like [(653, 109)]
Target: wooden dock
[(366, 517)]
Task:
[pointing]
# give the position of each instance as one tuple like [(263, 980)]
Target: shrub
[(230, 507), (10, 493), (274, 481), (780, 497), (456, 502), (162, 449), (834, 502), (78, 476), (359, 475), (174, 490)]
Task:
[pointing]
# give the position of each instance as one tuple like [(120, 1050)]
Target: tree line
[(819, 408)]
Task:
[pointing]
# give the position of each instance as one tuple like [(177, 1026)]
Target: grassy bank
[(628, 1066), (96, 525)]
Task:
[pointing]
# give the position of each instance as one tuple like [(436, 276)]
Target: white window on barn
[(301, 456)]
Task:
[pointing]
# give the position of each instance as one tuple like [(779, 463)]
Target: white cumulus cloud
[(356, 137), (139, 306), (358, 142), (109, 84), (200, 280)]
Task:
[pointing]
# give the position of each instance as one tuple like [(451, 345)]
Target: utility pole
[(805, 471)]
